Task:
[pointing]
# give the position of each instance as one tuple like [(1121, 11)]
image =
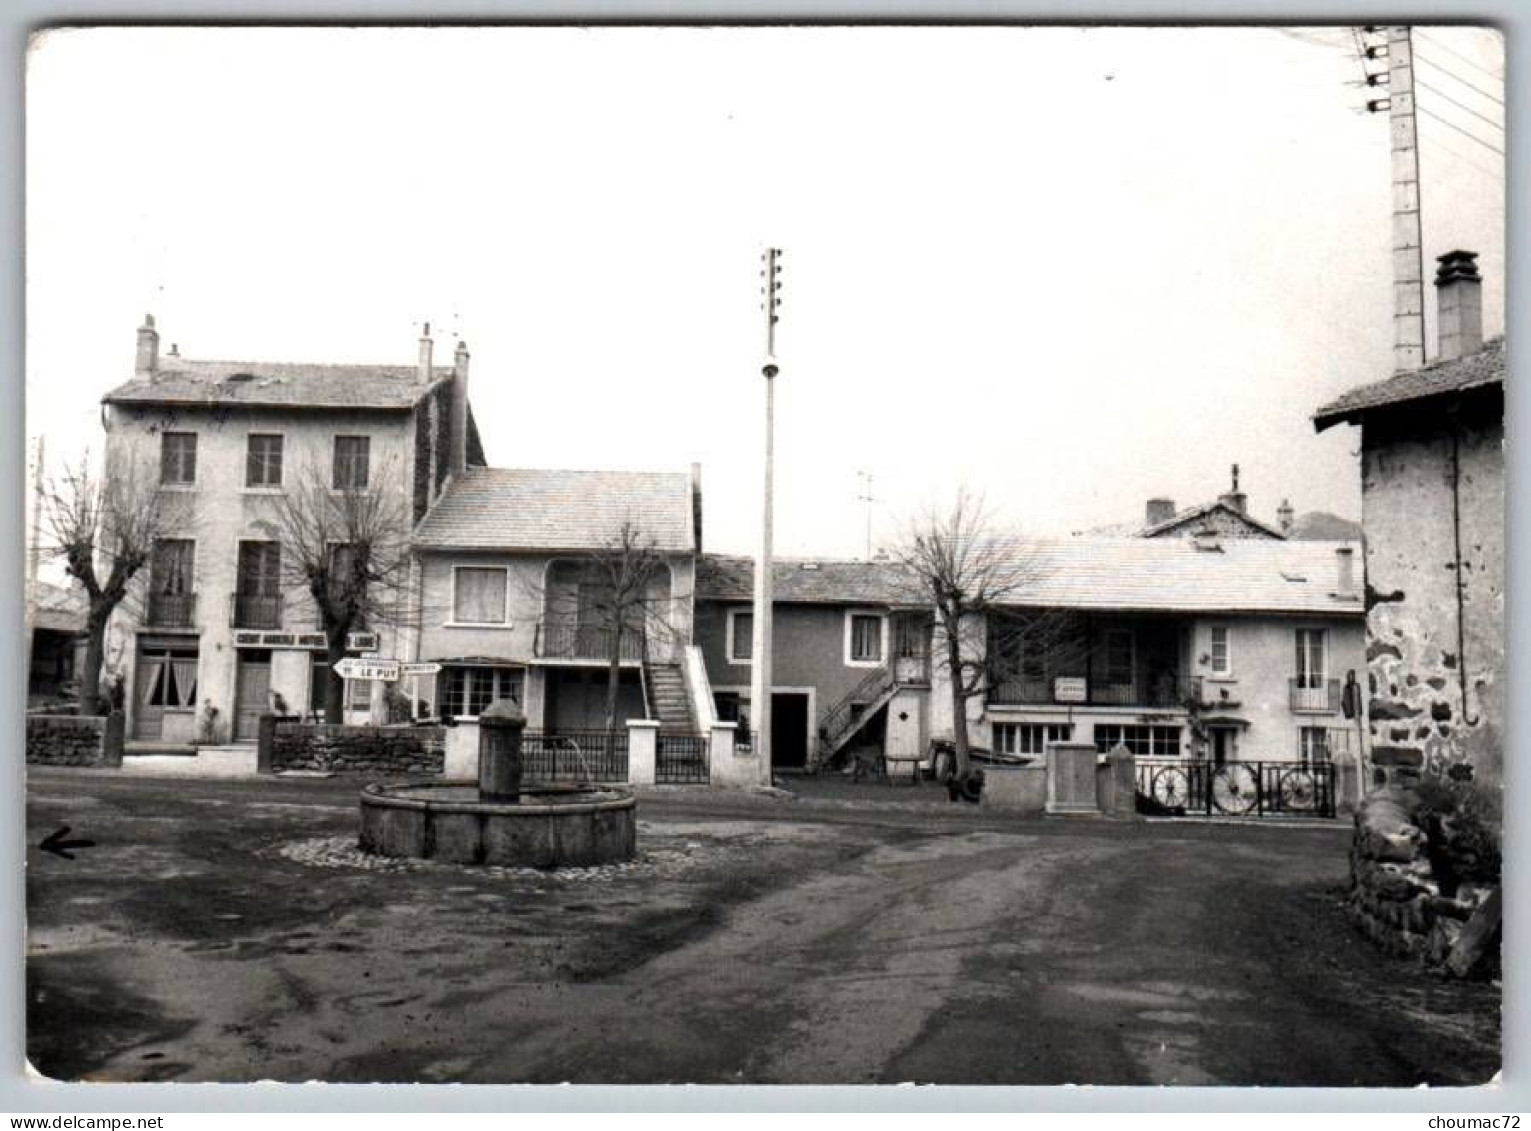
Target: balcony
[(1161, 690), (569, 640), (255, 611), (171, 610), (1311, 695)]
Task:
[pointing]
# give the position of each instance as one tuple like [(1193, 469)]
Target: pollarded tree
[(104, 527), (343, 538)]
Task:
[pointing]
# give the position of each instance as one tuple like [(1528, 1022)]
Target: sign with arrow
[(59, 846), (419, 669), (352, 668)]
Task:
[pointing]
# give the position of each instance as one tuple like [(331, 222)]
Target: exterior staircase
[(669, 700), (840, 723)]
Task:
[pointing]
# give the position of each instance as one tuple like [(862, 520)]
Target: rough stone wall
[(1395, 897), (358, 749), (73, 740), (1419, 658), (1224, 522)]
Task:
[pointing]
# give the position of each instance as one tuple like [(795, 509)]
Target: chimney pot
[(1285, 516), (459, 415), (427, 349), (146, 364), (1459, 304)]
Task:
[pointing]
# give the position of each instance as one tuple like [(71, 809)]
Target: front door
[(789, 731), (1222, 744), (252, 687), (166, 680)]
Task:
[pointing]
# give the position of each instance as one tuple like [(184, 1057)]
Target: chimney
[(1235, 498), (696, 503), (1459, 304), (1158, 510), (1284, 516), (148, 351), (1345, 585), (426, 346), (459, 451)]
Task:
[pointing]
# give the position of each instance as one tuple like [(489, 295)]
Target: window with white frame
[(1312, 657), (1029, 738), (1221, 652), (1160, 741), (864, 638), (353, 458), (178, 459), (466, 690), (479, 594), (1313, 745), (263, 460), (741, 635)]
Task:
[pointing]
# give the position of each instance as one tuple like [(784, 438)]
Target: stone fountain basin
[(550, 827)]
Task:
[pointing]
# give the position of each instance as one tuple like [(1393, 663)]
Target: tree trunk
[(613, 683), (334, 686), (959, 705), (90, 675)]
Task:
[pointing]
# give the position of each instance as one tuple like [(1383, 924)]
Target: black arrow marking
[(56, 844)]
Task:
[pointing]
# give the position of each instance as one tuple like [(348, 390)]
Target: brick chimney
[(426, 348), (1345, 571), (459, 434), (1158, 510), (696, 504), (1285, 516), (1235, 498), (1459, 304), (147, 364)]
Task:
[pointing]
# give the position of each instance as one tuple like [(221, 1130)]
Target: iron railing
[(574, 755), (172, 610), (569, 640), (1184, 787), (1315, 695), (1139, 690), (846, 712), (681, 759), (248, 610)]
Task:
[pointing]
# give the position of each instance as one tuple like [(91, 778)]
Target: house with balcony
[(521, 580), (851, 655), (1203, 648), (215, 632)]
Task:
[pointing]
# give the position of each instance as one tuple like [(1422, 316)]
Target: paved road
[(227, 930)]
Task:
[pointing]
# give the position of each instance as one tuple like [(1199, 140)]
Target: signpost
[(353, 668), (1071, 689), (415, 671)]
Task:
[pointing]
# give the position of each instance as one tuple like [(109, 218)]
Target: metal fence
[(574, 755), (1182, 787), (681, 759)]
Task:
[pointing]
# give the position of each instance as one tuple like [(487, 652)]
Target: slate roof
[(1201, 511), (807, 581), (1118, 574), (1484, 367), (181, 381), (493, 508), (1254, 575)]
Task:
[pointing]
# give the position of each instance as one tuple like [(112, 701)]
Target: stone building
[(1432, 484), (215, 631)]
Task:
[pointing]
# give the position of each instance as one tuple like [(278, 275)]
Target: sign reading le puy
[(353, 668)]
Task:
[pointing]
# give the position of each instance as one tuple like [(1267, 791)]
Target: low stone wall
[(1397, 897), (75, 740), (374, 750)]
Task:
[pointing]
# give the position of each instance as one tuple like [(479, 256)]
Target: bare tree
[(968, 572), (104, 528), (348, 547), (625, 570)]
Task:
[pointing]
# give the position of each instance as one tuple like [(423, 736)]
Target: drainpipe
[(1456, 536)]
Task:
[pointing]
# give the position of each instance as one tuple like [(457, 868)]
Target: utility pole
[(867, 498), (760, 643), (1408, 242)]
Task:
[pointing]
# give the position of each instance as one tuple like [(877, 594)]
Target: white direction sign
[(352, 668), (419, 669)]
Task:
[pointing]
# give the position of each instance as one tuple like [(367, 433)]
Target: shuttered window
[(479, 595)]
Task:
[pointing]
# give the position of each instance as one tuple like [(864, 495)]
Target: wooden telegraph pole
[(760, 643)]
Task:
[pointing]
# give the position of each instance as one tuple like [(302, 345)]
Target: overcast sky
[(1073, 268)]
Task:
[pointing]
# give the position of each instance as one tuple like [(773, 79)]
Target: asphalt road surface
[(230, 931)]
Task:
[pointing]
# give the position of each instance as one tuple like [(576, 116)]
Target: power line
[(1474, 65), (1496, 176), (1459, 129), (1449, 73), (1419, 82)]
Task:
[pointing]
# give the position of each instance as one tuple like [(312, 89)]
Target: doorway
[(166, 681), (1224, 746), (789, 730), (252, 692)]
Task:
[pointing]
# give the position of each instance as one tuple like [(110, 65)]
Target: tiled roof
[(181, 381), (1124, 574), (1177, 575), (60, 608), (1484, 367), (808, 581), (492, 508), (1201, 511)]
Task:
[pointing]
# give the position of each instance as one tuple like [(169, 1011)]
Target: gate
[(1185, 787), (681, 759)]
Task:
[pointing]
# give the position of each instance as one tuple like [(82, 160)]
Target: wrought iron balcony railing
[(1311, 694), (1140, 690), (255, 611), (569, 640), (172, 610)]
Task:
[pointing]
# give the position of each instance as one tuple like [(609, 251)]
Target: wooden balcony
[(569, 640)]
